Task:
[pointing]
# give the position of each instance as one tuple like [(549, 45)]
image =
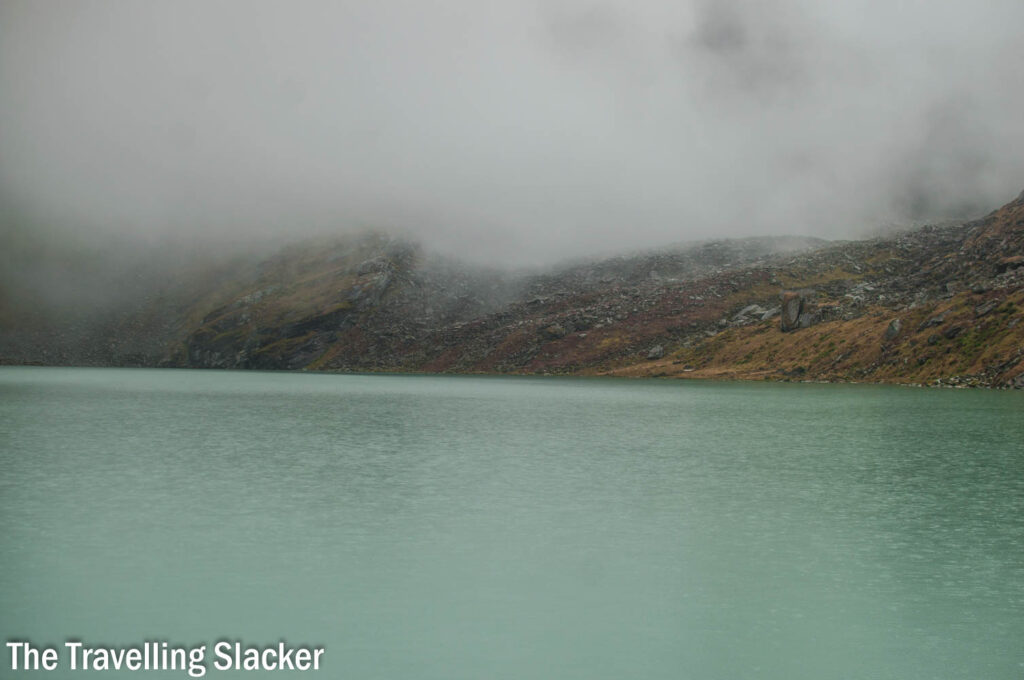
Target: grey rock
[(985, 308), (792, 306), (743, 315), (894, 328), (656, 352)]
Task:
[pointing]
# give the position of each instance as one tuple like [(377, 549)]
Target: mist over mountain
[(940, 304), (511, 133), (525, 187)]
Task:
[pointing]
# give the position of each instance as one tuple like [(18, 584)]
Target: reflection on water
[(427, 527)]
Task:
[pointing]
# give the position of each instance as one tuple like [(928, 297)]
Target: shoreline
[(696, 375)]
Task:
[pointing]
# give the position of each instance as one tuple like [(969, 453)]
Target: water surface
[(444, 527)]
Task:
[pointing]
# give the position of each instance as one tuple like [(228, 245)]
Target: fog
[(517, 132)]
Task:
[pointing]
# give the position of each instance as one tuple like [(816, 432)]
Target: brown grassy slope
[(963, 348)]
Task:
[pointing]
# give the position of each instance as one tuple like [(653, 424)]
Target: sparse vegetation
[(915, 308)]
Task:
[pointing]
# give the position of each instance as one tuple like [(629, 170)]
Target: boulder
[(797, 310), (656, 352), (894, 328), (807, 319), (792, 305), (743, 316)]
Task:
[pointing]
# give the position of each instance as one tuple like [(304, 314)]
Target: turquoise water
[(443, 527)]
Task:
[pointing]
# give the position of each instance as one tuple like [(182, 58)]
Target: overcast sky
[(523, 131)]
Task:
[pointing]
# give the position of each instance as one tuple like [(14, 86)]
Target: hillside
[(936, 305)]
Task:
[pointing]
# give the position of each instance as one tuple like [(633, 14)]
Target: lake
[(421, 527)]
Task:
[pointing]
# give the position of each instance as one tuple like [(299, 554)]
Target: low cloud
[(510, 131)]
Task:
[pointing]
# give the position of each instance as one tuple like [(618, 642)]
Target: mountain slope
[(936, 306), (384, 305), (932, 305)]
